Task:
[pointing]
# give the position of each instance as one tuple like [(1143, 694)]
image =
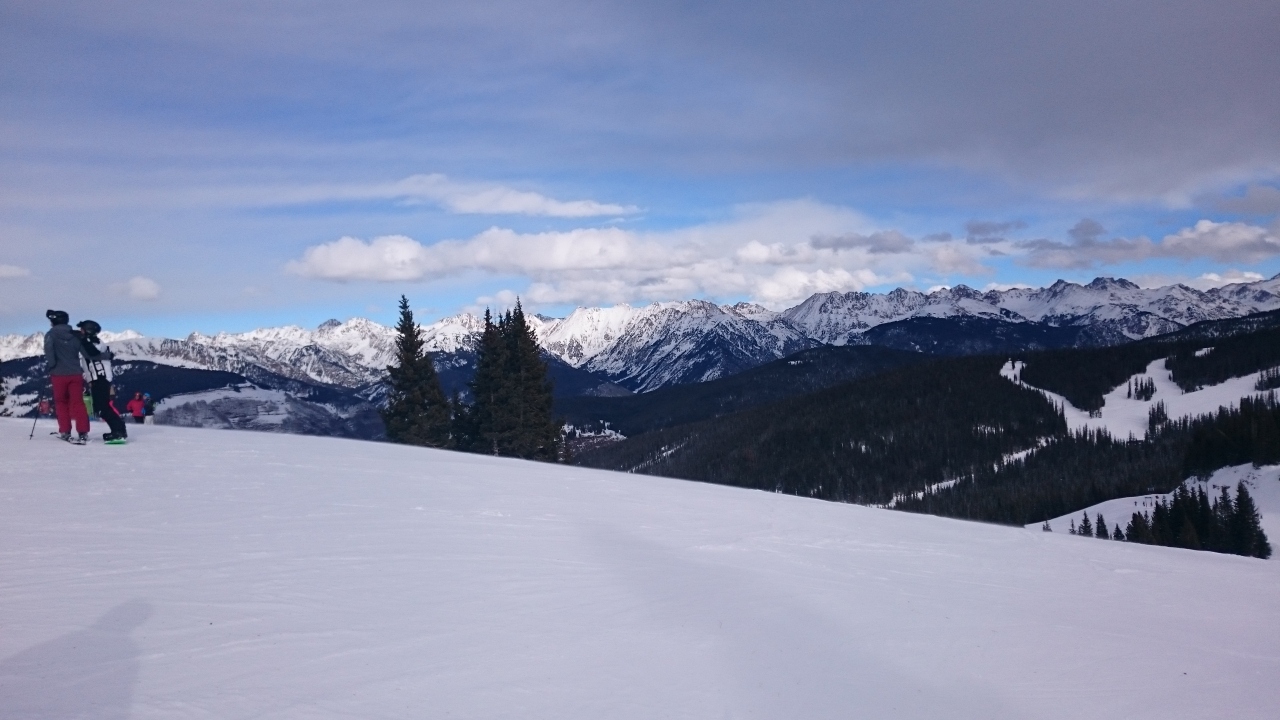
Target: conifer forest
[(949, 436)]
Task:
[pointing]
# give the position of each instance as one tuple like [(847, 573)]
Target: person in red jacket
[(137, 407)]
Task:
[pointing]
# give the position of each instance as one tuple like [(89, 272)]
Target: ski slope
[(1122, 416), (1263, 483), (230, 574)]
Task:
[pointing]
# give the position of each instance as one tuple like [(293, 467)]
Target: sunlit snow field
[(229, 574)]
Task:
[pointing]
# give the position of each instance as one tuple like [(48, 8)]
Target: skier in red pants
[(62, 353)]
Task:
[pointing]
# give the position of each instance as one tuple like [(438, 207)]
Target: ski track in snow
[(231, 574), (1122, 416)]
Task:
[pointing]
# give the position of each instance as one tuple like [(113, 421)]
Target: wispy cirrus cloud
[(481, 198), (13, 271)]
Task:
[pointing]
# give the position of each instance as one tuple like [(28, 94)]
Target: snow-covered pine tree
[(417, 412)]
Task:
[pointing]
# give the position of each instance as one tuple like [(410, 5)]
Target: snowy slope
[(20, 346), (1122, 416), (1263, 483), (203, 574)]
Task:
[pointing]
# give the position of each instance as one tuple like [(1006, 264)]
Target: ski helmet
[(57, 317), (90, 329)]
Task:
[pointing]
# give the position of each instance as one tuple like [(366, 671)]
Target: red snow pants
[(68, 403)]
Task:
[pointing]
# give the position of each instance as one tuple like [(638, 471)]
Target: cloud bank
[(1224, 242), (775, 254)]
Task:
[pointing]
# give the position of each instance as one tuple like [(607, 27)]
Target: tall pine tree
[(417, 412), (511, 410)]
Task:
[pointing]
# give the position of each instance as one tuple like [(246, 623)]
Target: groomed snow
[(222, 574)]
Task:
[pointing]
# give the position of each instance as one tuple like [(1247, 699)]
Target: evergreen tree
[(536, 434), (1086, 526), (511, 413), (1247, 537), (417, 412), (480, 424), (1118, 534), (1101, 529)]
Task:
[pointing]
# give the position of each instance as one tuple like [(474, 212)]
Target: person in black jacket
[(63, 361), (96, 364)]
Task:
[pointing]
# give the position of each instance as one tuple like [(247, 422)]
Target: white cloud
[(1230, 277), (1225, 242), (142, 288), (457, 196), (493, 199), (776, 254), (12, 271)]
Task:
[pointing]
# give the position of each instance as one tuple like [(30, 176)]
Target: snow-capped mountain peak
[(648, 347)]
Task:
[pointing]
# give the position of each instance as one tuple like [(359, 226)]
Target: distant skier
[(137, 407), (149, 407), (96, 364), (63, 354)]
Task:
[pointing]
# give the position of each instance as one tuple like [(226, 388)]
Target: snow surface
[(214, 574), (1263, 483), (1123, 416)]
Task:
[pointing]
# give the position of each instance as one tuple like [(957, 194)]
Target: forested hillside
[(863, 441), (797, 374), (950, 436), (1203, 354)]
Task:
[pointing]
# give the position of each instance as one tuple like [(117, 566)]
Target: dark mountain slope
[(864, 441), (797, 374), (973, 336)]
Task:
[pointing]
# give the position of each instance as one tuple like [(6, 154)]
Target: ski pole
[(33, 421)]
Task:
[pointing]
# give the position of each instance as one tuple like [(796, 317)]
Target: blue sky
[(221, 166)]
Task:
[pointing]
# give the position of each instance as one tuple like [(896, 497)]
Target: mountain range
[(623, 349)]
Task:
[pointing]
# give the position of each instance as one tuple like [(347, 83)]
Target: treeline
[(1248, 433), (510, 413), (1089, 467), (1211, 363), (864, 441), (1190, 520), (1070, 472), (1198, 356)]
